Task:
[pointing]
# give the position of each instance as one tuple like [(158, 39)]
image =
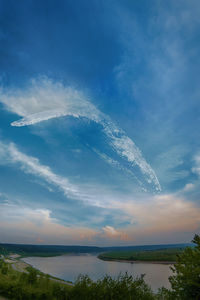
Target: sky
[(99, 122)]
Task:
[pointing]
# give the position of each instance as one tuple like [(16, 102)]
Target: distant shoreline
[(161, 256), (164, 262), (138, 261)]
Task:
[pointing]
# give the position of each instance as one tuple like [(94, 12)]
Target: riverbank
[(69, 267), (138, 261), (17, 264), (19, 280), (164, 256), (30, 285)]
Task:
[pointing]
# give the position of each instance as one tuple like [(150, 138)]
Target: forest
[(161, 255)]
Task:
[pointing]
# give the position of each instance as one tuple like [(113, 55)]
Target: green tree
[(4, 269), (124, 287), (185, 282), (32, 276)]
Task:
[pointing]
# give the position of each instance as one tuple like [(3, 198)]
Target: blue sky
[(99, 118)]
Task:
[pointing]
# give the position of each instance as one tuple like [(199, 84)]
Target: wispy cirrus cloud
[(10, 154), (46, 100), (196, 167), (158, 71)]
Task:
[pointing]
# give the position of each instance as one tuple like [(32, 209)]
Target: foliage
[(55, 250), (124, 287), (185, 282), (3, 250), (34, 285), (150, 255), (44, 250), (16, 285)]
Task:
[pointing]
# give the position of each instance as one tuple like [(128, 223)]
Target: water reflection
[(68, 267)]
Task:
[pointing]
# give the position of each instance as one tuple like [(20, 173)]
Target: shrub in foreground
[(124, 287)]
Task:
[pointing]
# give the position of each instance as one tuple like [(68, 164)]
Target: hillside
[(55, 250)]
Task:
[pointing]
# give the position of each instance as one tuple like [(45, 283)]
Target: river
[(68, 267)]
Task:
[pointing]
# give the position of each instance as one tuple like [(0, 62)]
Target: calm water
[(68, 267)]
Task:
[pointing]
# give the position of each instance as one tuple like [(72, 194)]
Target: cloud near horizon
[(168, 216), (36, 226)]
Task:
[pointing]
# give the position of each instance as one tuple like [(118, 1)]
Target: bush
[(185, 282), (122, 288)]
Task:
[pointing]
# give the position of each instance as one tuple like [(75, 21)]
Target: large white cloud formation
[(45, 99)]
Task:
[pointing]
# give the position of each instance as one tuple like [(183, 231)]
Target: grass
[(31, 285)]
